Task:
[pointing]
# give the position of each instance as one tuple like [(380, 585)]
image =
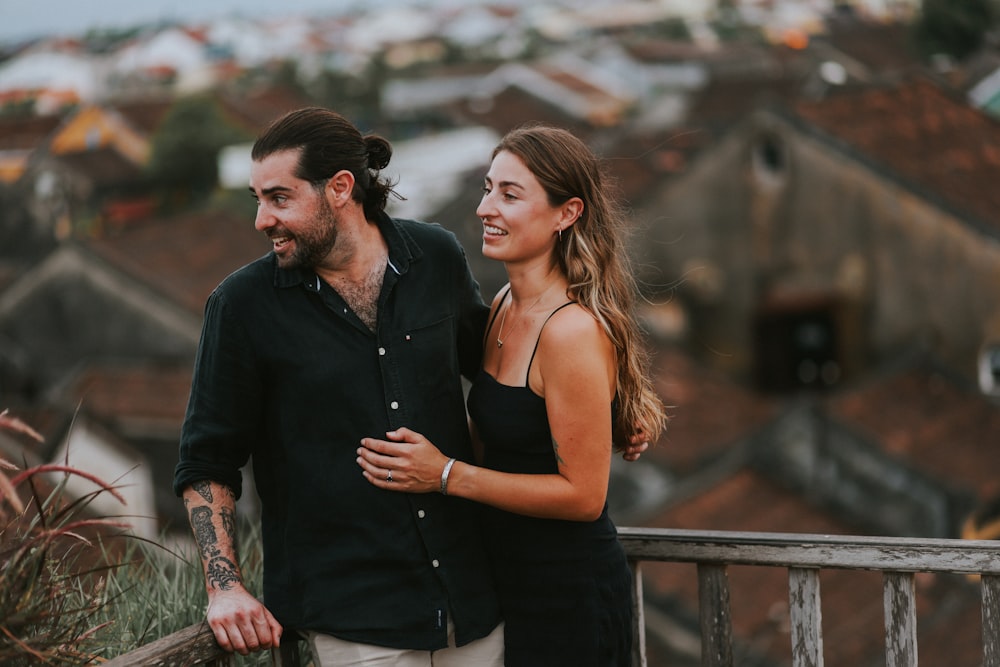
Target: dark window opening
[(796, 347), (769, 155)]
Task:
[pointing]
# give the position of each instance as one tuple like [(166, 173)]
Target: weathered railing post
[(804, 606), (991, 620), (900, 608), (638, 617), (716, 620)]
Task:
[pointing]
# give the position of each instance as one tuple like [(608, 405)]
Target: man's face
[(294, 215)]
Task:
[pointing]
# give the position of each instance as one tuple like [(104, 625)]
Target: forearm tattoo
[(228, 517), (204, 531), (222, 573), (204, 490)]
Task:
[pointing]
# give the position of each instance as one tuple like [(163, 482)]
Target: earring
[(560, 234)]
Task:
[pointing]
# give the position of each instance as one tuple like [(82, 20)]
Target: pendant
[(499, 343)]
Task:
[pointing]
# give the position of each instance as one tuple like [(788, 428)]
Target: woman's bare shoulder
[(573, 328)]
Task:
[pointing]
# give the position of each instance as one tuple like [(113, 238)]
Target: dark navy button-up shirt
[(288, 374)]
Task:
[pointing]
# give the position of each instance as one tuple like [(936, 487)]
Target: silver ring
[(388, 477)]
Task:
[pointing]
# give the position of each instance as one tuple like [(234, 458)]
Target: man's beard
[(313, 246)]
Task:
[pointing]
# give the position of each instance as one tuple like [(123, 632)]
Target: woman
[(562, 376)]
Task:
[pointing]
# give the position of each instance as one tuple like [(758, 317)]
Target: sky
[(21, 19)]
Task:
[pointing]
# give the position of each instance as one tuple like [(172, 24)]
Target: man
[(355, 324)]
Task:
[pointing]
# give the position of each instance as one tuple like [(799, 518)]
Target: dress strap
[(531, 361), (493, 318)]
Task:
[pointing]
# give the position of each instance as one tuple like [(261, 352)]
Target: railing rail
[(195, 645), (803, 555)]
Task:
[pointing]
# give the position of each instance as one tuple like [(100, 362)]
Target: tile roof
[(927, 419), (884, 48), (923, 134), (511, 107), (724, 102), (26, 133), (252, 110), (255, 109), (710, 414), (120, 393), (141, 405), (106, 167), (144, 114), (186, 256)]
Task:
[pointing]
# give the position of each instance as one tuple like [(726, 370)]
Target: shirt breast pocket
[(434, 355)]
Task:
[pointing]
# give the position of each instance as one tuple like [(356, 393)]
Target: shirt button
[(394, 405), (435, 563), (381, 352), (421, 514)]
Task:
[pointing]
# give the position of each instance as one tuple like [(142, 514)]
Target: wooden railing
[(899, 559), (195, 645), (803, 555)]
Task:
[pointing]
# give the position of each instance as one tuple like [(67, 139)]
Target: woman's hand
[(636, 445), (405, 461), (635, 448)]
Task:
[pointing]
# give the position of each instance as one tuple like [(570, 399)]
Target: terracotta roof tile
[(926, 136), (147, 392), (884, 48), (255, 109), (928, 420), (726, 101), (105, 166), (26, 133), (709, 412), (184, 257), (146, 114)]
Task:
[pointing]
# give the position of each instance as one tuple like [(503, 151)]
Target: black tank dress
[(565, 587)]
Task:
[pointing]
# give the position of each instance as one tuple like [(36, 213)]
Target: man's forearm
[(211, 509)]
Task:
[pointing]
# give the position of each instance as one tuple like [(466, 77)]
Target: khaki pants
[(332, 652)]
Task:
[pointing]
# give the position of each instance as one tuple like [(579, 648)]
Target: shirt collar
[(403, 251)]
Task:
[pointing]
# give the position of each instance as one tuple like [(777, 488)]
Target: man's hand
[(241, 623), (239, 620)]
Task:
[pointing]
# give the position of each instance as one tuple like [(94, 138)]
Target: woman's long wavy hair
[(592, 255)]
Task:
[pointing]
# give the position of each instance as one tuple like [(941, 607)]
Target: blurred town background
[(815, 190)]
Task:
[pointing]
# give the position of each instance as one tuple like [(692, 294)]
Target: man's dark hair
[(327, 143)]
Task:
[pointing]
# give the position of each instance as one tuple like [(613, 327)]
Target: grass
[(76, 589), (50, 572), (158, 591)]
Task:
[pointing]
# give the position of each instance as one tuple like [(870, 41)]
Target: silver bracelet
[(444, 476)]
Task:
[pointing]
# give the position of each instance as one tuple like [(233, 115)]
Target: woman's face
[(518, 221)]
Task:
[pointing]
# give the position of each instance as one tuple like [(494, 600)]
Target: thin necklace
[(503, 318)]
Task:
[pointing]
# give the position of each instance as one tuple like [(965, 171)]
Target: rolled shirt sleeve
[(223, 415)]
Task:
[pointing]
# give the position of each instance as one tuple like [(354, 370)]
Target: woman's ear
[(571, 212)]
